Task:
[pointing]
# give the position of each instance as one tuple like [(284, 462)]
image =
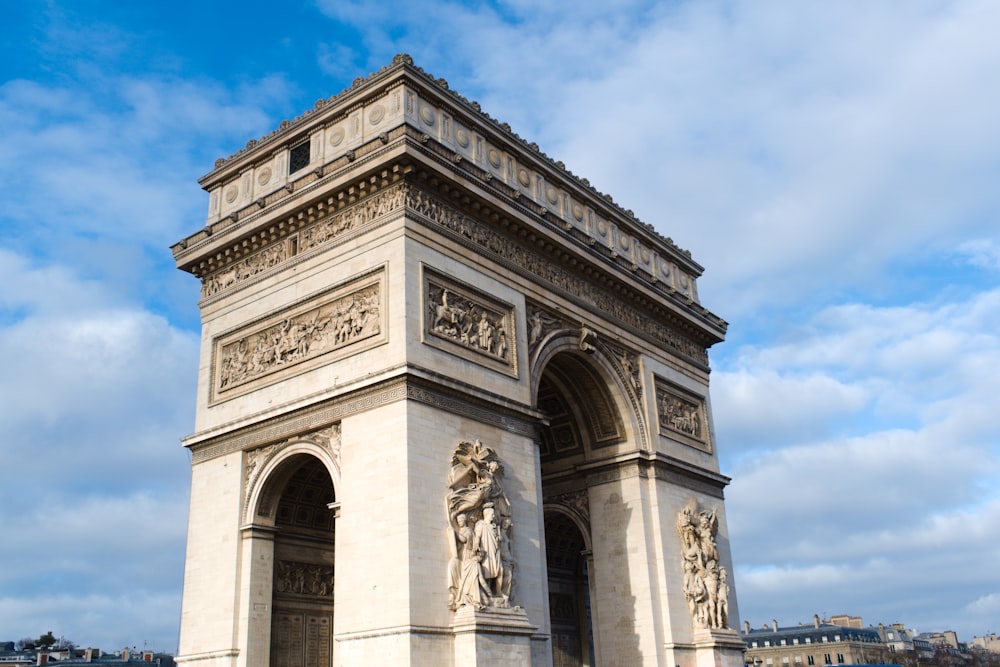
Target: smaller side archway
[(569, 568), (290, 537)]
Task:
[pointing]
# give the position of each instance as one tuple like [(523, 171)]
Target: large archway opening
[(584, 424), (303, 580)]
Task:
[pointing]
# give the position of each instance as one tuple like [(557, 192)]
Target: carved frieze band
[(343, 321), (486, 237), (681, 415), (323, 231), (310, 419), (306, 579), (464, 321)]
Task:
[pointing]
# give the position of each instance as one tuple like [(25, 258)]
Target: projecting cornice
[(347, 100), (398, 128)]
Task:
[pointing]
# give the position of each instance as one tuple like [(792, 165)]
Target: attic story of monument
[(452, 408)]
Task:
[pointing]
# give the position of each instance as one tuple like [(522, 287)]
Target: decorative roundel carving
[(624, 242), (522, 177), (602, 228), (377, 114), (494, 157), (337, 136), (462, 137), (231, 192), (264, 176), (426, 114), (551, 195), (644, 254), (665, 269), (685, 283), (577, 211)]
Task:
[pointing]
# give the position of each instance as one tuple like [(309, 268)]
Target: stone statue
[(705, 587), (481, 570)]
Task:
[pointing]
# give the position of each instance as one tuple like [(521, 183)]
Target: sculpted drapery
[(482, 566)]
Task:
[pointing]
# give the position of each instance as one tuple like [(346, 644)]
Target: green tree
[(46, 640)]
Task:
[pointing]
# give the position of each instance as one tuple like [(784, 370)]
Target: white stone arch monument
[(452, 408)]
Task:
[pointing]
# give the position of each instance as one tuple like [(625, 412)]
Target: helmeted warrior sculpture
[(482, 565)]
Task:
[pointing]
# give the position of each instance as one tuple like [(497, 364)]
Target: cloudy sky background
[(834, 166)]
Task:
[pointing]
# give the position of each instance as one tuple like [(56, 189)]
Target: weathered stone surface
[(451, 404)]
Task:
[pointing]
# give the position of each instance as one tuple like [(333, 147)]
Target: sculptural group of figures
[(679, 415), (293, 339), (481, 570), (467, 323), (705, 586), (303, 578)]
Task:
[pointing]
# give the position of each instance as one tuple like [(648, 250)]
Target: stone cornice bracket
[(588, 340)]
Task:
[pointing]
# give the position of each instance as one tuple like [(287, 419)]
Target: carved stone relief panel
[(541, 265), (705, 581), (306, 579), (682, 415), (464, 321), (343, 321), (481, 570)]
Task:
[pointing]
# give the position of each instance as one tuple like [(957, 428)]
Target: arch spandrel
[(267, 470), (602, 376)]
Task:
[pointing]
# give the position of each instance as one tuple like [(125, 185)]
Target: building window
[(798, 660), (836, 638), (889, 635), (811, 660), (795, 640), (767, 642), (784, 660), (892, 648), (770, 661), (826, 659), (840, 658), (809, 640), (824, 638), (753, 644), (783, 642), (298, 157)]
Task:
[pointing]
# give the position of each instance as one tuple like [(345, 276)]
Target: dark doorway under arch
[(569, 592), (302, 595)]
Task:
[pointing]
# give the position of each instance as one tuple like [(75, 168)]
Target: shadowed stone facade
[(453, 406)]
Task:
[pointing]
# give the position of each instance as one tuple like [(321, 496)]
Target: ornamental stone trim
[(464, 321), (681, 415), (345, 320), (333, 410), (487, 240)]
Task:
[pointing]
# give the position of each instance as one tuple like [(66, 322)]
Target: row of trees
[(48, 640)]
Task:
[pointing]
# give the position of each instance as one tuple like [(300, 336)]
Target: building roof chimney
[(746, 627), (774, 622), (816, 620)]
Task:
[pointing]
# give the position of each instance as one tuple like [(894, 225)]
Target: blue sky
[(834, 166)]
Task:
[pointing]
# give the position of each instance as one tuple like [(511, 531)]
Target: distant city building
[(904, 646), (988, 642), (821, 643), (84, 656)]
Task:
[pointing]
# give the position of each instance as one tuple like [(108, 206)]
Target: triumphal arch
[(452, 409)]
